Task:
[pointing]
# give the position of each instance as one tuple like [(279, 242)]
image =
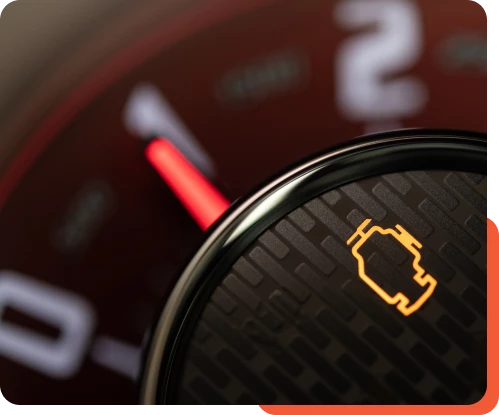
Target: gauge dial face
[(373, 293), (92, 240), (356, 277)]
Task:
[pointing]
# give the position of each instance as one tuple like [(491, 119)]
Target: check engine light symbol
[(413, 246)]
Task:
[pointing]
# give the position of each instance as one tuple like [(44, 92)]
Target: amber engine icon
[(413, 246)]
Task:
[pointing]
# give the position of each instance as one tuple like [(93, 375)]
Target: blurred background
[(91, 239)]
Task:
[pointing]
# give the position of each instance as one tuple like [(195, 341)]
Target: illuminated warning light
[(413, 246)]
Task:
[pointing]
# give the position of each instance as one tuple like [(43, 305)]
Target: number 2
[(368, 88), (72, 315)]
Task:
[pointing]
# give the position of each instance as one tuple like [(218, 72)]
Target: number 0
[(73, 316)]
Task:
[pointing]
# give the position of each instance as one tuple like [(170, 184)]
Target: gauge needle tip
[(197, 194)]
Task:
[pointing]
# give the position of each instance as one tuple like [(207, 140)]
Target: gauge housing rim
[(249, 217)]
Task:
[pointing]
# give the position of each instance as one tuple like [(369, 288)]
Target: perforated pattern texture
[(293, 323)]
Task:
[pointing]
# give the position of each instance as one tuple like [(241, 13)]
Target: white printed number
[(368, 87), (73, 316)]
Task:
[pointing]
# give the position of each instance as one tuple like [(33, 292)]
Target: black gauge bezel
[(247, 219)]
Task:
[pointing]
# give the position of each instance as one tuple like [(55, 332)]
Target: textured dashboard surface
[(293, 323)]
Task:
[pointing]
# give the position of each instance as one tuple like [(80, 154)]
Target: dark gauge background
[(281, 329), (86, 224)]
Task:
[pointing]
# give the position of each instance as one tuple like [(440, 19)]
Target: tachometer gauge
[(129, 128)]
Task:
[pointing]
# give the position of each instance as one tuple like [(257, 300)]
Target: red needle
[(201, 199)]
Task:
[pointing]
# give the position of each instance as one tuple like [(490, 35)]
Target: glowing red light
[(200, 198)]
